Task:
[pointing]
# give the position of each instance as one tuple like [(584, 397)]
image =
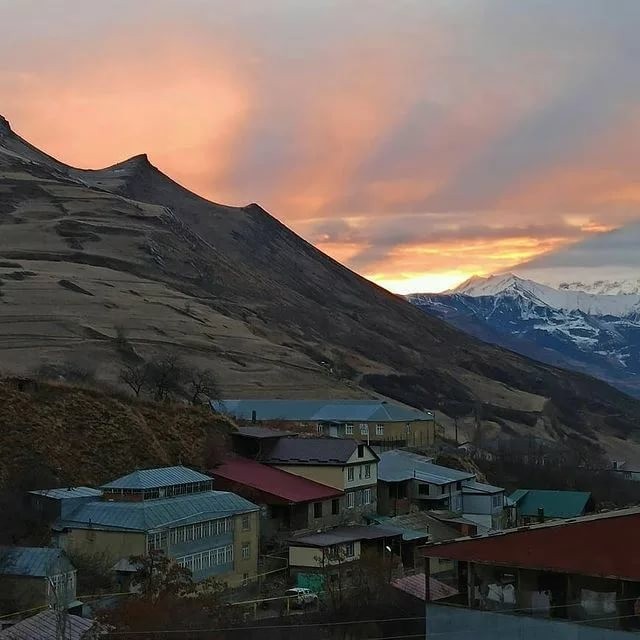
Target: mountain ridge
[(235, 290)]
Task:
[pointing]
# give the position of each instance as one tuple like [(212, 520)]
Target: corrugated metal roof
[(342, 535), (285, 486), (596, 545), (153, 478), (262, 432), (64, 493), (556, 504), (44, 626), (36, 562), (415, 585), (328, 451), (473, 486), (149, 515), (320, 410), (396, 466)]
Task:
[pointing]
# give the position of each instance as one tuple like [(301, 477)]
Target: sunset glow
[(418, 145)]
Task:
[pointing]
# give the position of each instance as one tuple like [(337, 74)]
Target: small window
[(320, 428), (350, 474), (246, 522), (407, 428), (317, 509), (351, 500), (423, 489), (367, 470), (246, 550), (458, 485), (335, 506), (245, 579), (364, 430), (349, 550), (379, 429), (360, 451), (366, 497), (348, 429)]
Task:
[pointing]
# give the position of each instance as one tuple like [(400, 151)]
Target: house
[(32, 577), (344, 464), (250, 441), (625, 470), (290, 504), (484, 504), (407, 478), (558, 579), (339, 546), (50, 504), (53, 625), (538, 505), (371, 421), (173, 509)]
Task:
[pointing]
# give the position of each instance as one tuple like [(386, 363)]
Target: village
[(317, 507)]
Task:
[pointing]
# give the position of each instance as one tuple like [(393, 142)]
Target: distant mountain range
[(593, 328)]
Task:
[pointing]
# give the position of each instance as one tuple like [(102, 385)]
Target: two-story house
[(346, 465), (485, 505), (176, 510), (374, 421), (289, 504), (32, 577), (407, 478)]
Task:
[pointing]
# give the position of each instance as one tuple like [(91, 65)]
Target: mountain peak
[(489, 285), (5, 127)]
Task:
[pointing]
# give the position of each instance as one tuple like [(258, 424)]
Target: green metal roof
[(151, 515), (320, 410), (155, 478), (556, 504), (34, 562)]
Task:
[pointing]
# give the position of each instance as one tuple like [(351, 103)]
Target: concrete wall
[(457, 623), (331, 476), (421, 432), (245, 568), (311, 557), (359, 474), (115, 544)]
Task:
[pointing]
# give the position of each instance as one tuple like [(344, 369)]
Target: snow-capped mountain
[(604, 287), (590, 332)]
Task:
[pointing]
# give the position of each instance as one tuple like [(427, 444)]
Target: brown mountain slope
[(234, 289), (54, 431)]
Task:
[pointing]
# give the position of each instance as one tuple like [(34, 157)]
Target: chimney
[(540, 514), (253, 416)]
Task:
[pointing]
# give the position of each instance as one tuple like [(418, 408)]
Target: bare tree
[(202, 382), (136, 377), (166, 376)]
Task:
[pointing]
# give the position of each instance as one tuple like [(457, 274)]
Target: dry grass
[(86, 436)]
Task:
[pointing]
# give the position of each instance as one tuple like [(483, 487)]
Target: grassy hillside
[(73, 435)]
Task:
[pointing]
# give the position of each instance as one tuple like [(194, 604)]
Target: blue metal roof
[(320, 410), (46, 626), (154, 478), (150, 515), (35, 562), (65, 493), (473, 486), (396, 466)]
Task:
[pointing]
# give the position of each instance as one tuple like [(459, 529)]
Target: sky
[(418, 142)]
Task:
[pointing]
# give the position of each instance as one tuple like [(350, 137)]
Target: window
[(366, 497), (497, 500), (349, 550), (348, 429), (351, 500), (246, 550), (206, 559), (335, 506), (156, 541), (360, 451), (379, 429), (246, 522), (423, 489), (317, 509), (320, 428), (364, 429), (458, 485), (367, 470), (245, 579), (407, 428), (350, 474)]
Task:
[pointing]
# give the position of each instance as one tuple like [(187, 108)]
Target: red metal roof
[(598, 545), (280, 484)]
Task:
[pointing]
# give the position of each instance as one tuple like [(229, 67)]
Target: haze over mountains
[(595, 331), (85, 254)]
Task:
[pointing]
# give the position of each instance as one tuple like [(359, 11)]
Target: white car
[(301, 597)]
